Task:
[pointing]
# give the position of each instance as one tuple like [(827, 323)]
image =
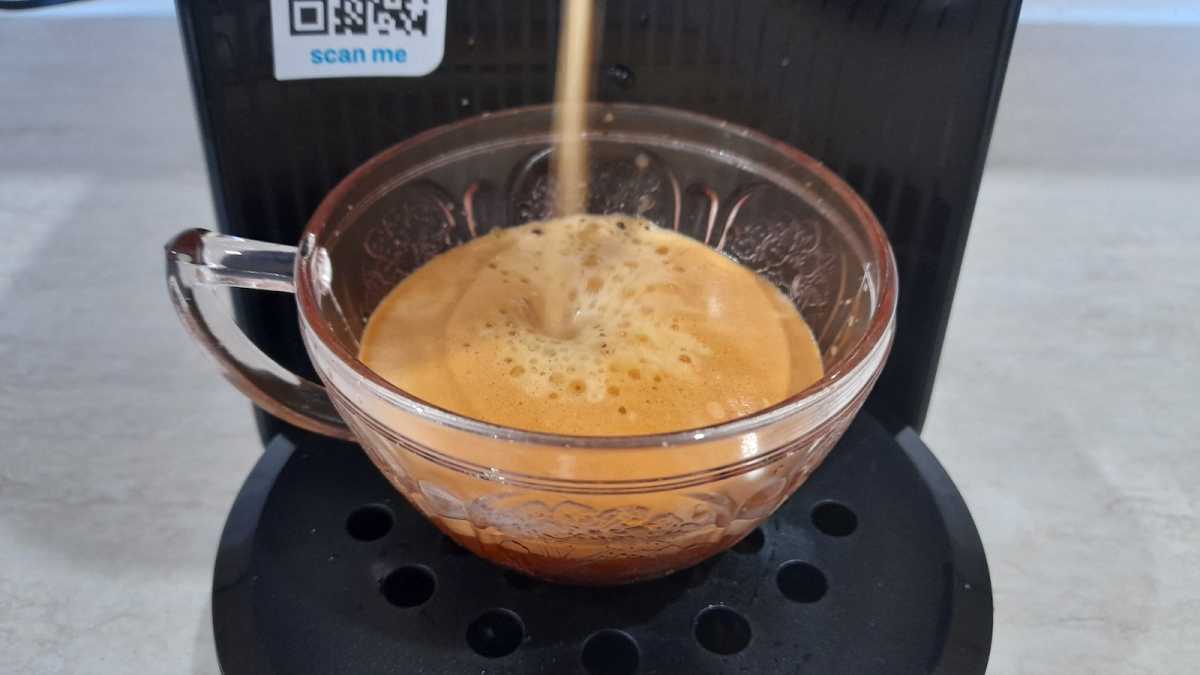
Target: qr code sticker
[(359, 17)]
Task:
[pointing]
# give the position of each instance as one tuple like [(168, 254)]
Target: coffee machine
[(873, 566)]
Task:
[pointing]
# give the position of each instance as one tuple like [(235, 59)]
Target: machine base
[(873, 566)]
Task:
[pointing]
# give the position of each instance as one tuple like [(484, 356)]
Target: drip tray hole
[(610, 652), (801, 582), (496, 633), (834, 519), (370, 522), (408, 586), (722, 630)]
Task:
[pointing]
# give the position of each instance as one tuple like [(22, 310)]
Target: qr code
[(359, 17)]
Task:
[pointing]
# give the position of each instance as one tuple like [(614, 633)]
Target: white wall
[(1113, 12), (101, 8)]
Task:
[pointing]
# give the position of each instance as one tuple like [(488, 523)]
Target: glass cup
[(570, 509)]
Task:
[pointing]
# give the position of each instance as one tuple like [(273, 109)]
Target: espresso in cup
[(591, 325)]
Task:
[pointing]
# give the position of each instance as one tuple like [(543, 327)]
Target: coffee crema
[(655, 332)]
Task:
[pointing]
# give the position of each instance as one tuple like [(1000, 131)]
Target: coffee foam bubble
[(623, 314)]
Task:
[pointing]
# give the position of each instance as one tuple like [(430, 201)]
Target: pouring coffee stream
[(570, 157)]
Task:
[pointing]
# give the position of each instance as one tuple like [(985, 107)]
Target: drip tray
[(873, 566)]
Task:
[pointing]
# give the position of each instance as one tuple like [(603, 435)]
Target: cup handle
[(200, 259)]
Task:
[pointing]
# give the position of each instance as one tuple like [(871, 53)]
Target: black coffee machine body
[(898, 97)]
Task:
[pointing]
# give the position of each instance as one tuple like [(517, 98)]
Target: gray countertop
[(1064, 409)]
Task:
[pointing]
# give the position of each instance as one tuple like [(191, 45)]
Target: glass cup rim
[(830, 384)]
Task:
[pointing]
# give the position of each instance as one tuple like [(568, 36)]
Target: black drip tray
[(874, 566)]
